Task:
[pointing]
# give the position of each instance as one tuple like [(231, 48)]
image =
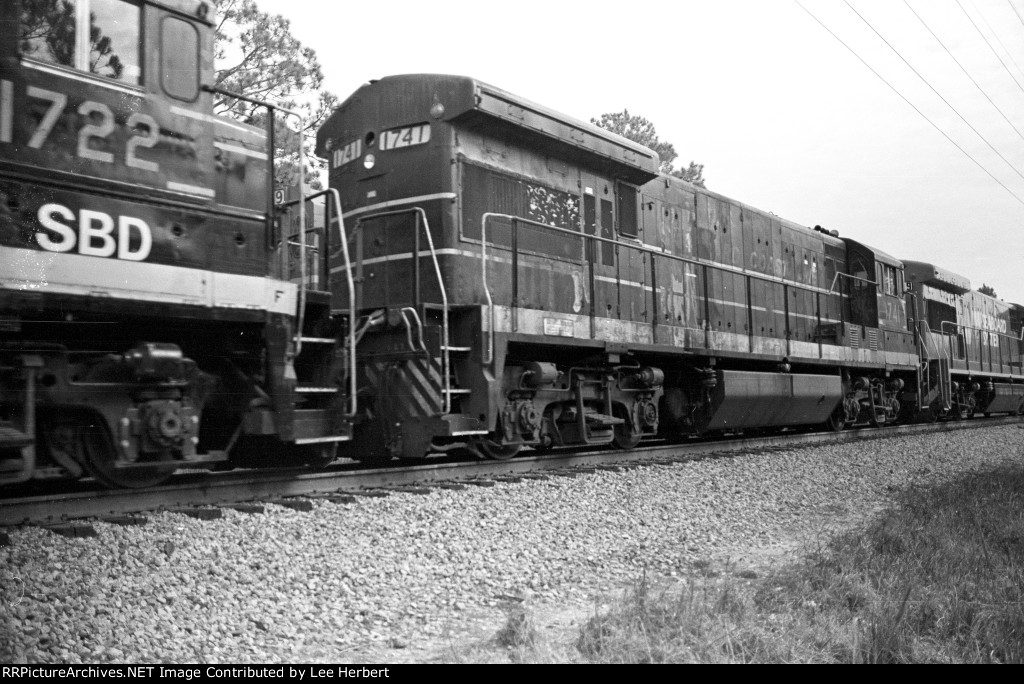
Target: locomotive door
[(635, 299), (598, 217)]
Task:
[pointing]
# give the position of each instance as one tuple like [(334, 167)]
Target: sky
[(764, 93)]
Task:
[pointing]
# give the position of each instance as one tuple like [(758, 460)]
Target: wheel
[(319, 456), (837, 421), (497, 452), (100, 458)]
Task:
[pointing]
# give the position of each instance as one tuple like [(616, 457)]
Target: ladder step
[(457, 349), (320, 440), (318, 340), (317, 390), (12, 438), (457, 391)]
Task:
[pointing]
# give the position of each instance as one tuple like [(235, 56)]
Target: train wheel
[(319, 456), (625, 438), (497, 452), (100, 457), (837, 421)]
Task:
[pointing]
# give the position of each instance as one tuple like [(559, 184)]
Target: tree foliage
[(48, 33), (640, 130), (987, 290), (257, 56)]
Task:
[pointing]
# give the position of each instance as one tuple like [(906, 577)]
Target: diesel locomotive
[(536, 282), (487, 275), (156, 311)]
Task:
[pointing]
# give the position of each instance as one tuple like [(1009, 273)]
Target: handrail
[(408, 328), (832, 287), (351, 340), (445, 355), (943, 325), (639, 248), (271, 108)]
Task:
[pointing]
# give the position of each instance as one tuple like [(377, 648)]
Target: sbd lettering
[(95, 233)]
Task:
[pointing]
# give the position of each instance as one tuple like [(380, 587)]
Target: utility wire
[(912, 105), (980, 89), (918, 74), (998, 39), (1016, 11), (984, 38)]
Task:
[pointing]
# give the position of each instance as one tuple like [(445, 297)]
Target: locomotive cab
[(971, 345)]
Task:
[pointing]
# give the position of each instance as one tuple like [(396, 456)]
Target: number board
[(346, 154), (405, 137)]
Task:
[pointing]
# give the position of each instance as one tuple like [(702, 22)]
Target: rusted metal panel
[(705, 245), (719, 341), (769, 311), (732, 238), (681, 288), (803, 319), (771, 346)]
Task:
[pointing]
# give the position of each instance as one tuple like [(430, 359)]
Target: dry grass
[(939, 578)]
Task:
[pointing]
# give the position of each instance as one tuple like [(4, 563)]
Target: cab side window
[(628, 199), (888, 279), (100, 37), (179, 59)]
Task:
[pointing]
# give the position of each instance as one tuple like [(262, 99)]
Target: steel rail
[(217, 489)]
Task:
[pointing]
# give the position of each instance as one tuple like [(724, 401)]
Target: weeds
[(938, 578), (518, 631)]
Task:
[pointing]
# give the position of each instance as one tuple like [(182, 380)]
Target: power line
[(980, 89), (998, 39), (918, 74), (984, 38), (1016, 11), (912, 105)]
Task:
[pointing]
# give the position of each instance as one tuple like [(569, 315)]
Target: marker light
[(368, 161)]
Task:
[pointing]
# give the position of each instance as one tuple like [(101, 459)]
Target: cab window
[(888, 280), (100, 37), (179, 59), (628, 197)]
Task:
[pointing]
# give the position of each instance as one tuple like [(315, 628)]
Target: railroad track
[(203, 494)]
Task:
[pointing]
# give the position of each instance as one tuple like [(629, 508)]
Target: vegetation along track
[(200, 493)]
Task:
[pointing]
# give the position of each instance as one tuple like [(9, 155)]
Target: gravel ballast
[(341, 580)]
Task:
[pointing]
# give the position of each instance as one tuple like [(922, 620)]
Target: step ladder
[(321, 360)]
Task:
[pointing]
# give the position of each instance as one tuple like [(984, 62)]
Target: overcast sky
[(781, 114)]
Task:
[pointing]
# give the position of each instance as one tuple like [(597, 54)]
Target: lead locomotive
[(537, 282)]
